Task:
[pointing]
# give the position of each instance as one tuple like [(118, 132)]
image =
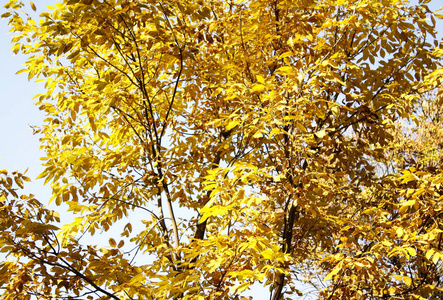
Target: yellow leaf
[(258, 134), (239, 288), (268, 254), (16, 48), (112, 242), (429, 253), (33, 6), (137, 280), (408, 176), (232, 124), (18, 181), (258, 88), (21, 71), (285, 54), (210, 186), (285, 70), (274, 132), (332, 273), (403, 209), (411, 251), (436, 258), (260, 79), (409, 203), (407, 280), (301, 127)]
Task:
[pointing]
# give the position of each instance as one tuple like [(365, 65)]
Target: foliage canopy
[(239, 143)]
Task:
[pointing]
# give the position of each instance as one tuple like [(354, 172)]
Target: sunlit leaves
[(239, 142)]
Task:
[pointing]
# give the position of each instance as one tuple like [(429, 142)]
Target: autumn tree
[(230, 143)]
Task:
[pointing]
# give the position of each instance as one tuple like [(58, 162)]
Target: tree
[(246, 142)]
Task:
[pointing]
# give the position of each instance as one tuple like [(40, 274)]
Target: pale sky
[(18, 146)]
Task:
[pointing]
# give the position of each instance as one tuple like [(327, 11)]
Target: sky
[(19, 148)]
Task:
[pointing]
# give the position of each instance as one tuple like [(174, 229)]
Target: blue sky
[(18, 146)]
